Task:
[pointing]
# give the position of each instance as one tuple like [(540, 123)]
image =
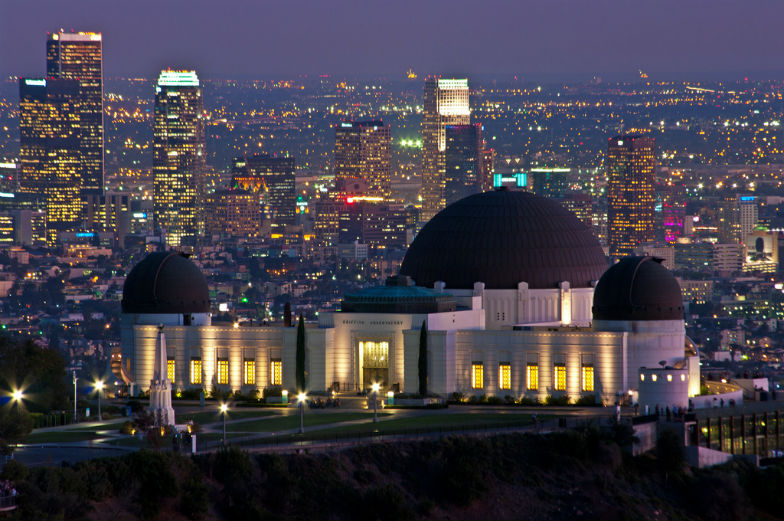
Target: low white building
[(514, 291)]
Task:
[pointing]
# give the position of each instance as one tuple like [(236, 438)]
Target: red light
[(350, 200)]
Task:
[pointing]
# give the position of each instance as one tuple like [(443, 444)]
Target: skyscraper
[(178, 155), (446, 102), (78, 56), (363, 151), (631, 185), (51, 155), (463, 161), (272, 178)]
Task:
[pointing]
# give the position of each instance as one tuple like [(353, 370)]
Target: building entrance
[(375, 363)]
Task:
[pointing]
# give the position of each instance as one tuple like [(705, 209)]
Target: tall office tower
[(670, 211), (178, 152), (549, 182), (631, 181), (363, 151), (272, 178), (463, 161), (233, 213), (748, 214), (488, 168), (50, 153), (446, 102), (78, 56)]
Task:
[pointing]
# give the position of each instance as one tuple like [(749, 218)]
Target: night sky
[(265, 38)]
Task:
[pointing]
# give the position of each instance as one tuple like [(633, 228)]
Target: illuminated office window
[(559, 378), (505, 375), (170, 369), (195, 370), (276, 372), (223, 371), (477, 375), (588, 378), (249, 376), (532, 377)]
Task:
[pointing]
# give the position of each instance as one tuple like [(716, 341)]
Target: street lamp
[(375, 388), (75, 380), (17, 395), (99, 388), (301, 397), (224, 409)]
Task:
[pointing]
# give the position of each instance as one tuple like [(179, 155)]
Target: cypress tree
[(423, 359), (300, 363)]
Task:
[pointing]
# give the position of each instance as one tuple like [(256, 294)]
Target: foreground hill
[(567, 475)]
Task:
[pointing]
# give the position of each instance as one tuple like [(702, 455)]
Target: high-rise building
[(463, 161), (631, 185), (78, 56), (446, 102), (273, 179), (549, 182), (51, 154), (363, 151), (748, 215), (178, 155), (233, 213)]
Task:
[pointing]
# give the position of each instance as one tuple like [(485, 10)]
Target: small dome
[(503, 238), (638, 288), (166, 282)]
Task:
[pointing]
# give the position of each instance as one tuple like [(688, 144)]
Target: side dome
[(166, 282), (638, 288), (503, 238)]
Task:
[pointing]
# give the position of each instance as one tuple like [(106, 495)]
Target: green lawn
[(214, 416), (291, 421), (61, 436)]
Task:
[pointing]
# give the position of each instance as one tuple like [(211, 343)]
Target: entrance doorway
[(375, 363)]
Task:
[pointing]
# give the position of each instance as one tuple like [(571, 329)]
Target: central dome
[(166, 282), (503, 238)]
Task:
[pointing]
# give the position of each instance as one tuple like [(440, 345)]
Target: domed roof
[(638, 288), (165, 282), (503, 238)]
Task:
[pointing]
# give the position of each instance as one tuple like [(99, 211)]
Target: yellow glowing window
[(276, 372), (588, 378), (532, 377), (170, 369), (249, 372), (560, 378), (477, 375), (505, 376), (223, 372), (195, 371)]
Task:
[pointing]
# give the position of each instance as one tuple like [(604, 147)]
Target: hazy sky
[(530, 38)]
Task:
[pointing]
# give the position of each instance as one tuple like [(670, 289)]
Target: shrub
[(190, 394), (587, 400), (557, 400), (194, 498), (494, 400), (127, 428), (456, 397), (273, 392), (670, 451), (529, 402)]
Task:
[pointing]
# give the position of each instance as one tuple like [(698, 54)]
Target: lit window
[(669, 378), (653, 377), (223, 372), (249, 378), (505, 375), (683, 378), (532, 377), (560, 378), (196, 370), (477, 374), (588, 378), (276, 372), (170, 369), (642, 377)]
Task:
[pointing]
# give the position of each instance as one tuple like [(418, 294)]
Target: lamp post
[(75, 380), (224, 409), (17, 396), (375, 402), (301, 397), (99, 388)]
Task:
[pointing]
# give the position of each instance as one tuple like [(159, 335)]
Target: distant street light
[(301, 397), (17, 395), (75, 380), (99, 387), (375, 388), (224, 409)]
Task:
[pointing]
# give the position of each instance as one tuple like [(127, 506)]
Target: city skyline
[(527, 39)]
